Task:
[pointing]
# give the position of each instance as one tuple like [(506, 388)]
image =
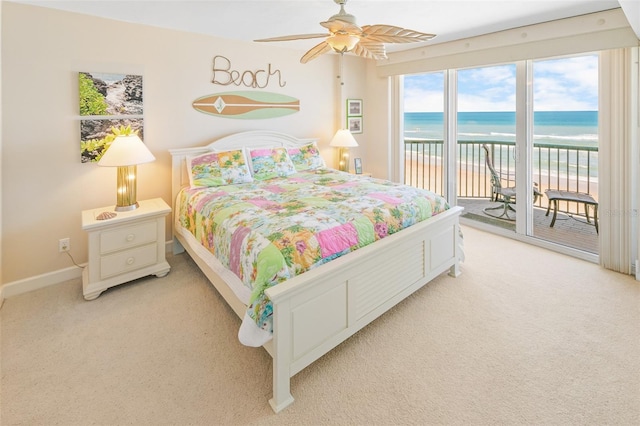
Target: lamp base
[(126, 197), (343, 162), (127, 208)]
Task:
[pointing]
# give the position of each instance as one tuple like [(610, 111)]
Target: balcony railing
[(560, 167)]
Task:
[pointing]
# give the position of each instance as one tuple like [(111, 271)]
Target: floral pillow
[(306, 157), (218, 168), (268, 163)]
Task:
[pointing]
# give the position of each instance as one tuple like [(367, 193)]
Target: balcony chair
[(506, 195)]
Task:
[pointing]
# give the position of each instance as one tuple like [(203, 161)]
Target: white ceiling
[(253, 19)]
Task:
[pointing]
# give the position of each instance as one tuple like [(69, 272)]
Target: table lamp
[(344, 140), (125, 153)]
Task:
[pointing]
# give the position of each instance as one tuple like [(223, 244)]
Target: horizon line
[(562, 110)]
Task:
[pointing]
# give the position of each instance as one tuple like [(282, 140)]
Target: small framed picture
[(358, 165), (354, 124), (354, 107)]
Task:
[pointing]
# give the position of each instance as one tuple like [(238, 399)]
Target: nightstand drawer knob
[(131, 237), (130, 261)]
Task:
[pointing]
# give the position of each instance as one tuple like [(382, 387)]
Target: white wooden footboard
[(317, 310)]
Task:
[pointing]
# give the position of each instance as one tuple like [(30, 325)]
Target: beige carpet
[(523, 337)]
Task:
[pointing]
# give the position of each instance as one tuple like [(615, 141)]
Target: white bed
[(304, 328)]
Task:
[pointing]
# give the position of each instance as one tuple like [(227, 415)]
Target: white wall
[(378, 125), (44, 184), (356, 86), (362, 82), (1, 238)]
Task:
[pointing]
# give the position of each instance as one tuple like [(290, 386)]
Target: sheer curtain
[(618, 157)]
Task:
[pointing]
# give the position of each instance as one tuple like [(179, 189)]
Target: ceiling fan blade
[(315, 51), (294, 37), (370, 50), (336, 25), (391, 34)]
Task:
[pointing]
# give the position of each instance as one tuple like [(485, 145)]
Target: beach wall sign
[(246, 104), (225, 75)]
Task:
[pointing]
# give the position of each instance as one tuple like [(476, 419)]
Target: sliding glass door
[(424, 131), (565, 149), (485, 144), (497, 139)]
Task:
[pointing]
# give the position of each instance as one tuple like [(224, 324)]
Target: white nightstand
[(128, 246)]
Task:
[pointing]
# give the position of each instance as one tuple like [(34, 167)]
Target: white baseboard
[(40, 281), (51, 278)]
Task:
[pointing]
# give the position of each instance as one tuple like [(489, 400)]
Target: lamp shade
[(126, 151), (343, 42), (343, 139)]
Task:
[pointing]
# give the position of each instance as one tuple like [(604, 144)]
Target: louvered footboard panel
[(400, 269)]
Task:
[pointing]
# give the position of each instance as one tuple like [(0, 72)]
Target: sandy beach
[(473, 182)]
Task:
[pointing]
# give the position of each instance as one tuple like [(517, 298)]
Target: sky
[(566, 84)]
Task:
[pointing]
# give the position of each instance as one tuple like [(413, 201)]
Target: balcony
[(561, 167)]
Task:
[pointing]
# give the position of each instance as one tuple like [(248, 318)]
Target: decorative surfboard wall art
[(247, 105)]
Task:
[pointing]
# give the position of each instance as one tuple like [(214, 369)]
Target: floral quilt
[(269, 231)]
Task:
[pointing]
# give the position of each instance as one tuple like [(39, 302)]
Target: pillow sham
[(218, 168), (268, 163), (306, 157)]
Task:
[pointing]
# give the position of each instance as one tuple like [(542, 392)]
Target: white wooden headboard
[(250, 139)]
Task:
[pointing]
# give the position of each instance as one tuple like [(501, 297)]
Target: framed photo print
[(358, 165), (109, 105), (354, 124), (354, 107), (105, 95)]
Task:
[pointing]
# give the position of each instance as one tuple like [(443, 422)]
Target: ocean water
[(573, 128), (551, 129)]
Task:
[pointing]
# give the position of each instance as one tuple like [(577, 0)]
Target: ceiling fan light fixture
[(342, 43), (344, 35)]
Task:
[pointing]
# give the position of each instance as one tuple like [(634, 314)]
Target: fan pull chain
[(341, 77)]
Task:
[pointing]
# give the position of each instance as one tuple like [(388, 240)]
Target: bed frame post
[(454, 271), (281, 356)]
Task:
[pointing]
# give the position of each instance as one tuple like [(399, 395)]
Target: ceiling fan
[(346, 36)]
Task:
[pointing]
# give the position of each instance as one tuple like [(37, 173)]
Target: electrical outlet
[(64, 244)]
